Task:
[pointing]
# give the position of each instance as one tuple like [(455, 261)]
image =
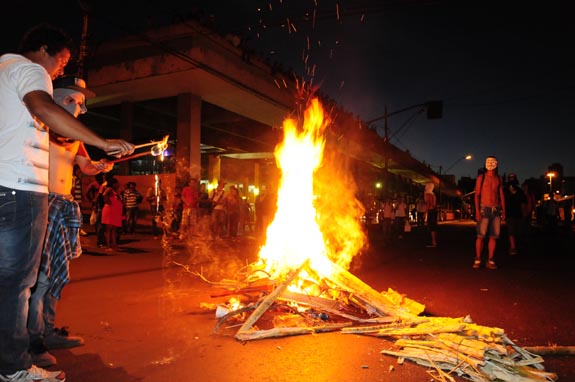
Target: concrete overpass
[(213, 98)]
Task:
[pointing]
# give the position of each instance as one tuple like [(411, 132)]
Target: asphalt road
[(140, 312)]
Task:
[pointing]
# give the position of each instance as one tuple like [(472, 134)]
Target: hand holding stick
[(159, 146), (130, 157), (157, 150)]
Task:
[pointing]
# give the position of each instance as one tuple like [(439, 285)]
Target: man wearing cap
[(489, 211), (27, 109), (62, 241)]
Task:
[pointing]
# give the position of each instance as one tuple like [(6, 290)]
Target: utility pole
[(434, 111), (83, 51)]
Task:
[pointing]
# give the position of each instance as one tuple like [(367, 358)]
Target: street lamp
[(551, 175), (466, 157)]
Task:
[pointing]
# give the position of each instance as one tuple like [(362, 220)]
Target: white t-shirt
[(24, 141)]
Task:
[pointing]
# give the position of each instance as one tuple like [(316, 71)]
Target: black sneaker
[(59, 338)]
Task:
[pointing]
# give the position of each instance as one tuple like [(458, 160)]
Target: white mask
[(71, 100), (490, 163)]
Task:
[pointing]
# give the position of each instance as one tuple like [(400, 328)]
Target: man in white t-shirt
[(26, 109)]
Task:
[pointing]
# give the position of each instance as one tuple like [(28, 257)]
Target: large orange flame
[(295, 234)]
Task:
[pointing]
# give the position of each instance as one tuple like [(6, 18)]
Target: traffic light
[(434, 109)]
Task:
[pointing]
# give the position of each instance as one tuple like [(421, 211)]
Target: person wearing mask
[(489, 211), (62, 242), (28, 109)]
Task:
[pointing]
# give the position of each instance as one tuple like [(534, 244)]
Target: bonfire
[(301, 282)]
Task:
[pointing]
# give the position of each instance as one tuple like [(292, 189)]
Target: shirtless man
[(489, 211), (63, 227)]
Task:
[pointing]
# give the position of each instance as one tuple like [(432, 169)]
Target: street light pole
[(466, 157), (551, 175)]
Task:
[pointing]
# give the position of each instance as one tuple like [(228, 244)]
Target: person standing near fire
[(112, 213), (432, 213), (28, 113), (190, 199), (420, 209), (489, 211), (386, 220), (132, 199), (233, 203), (514, 201), (62, 242), (156, 197), (219, 220)]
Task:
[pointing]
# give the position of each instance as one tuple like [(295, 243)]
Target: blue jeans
[(42, 313), (23, 220)]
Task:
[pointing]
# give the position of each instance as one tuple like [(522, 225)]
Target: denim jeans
[(42, 313), (490, 223), (23, 220)]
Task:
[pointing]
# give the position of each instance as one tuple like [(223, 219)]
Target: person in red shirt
[(190, 198)]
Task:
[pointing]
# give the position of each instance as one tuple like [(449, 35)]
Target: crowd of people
[(191, 211), (497, 199), (223, 212)]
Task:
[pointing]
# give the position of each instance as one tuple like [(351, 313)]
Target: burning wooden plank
[(266, 303), (380, 302), (330, 306)]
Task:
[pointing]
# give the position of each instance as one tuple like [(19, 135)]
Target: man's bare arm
[(43, 107)]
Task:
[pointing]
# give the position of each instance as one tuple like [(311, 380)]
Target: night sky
[(504, 70)]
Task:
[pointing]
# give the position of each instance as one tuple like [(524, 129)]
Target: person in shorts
[(489, 211)]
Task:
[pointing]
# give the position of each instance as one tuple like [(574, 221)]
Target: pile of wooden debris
[(448, 346)]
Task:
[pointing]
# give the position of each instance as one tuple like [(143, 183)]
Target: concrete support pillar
[(189, 127)]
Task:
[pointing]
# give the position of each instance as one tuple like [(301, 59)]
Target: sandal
[(491, 265), (476, 263)]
